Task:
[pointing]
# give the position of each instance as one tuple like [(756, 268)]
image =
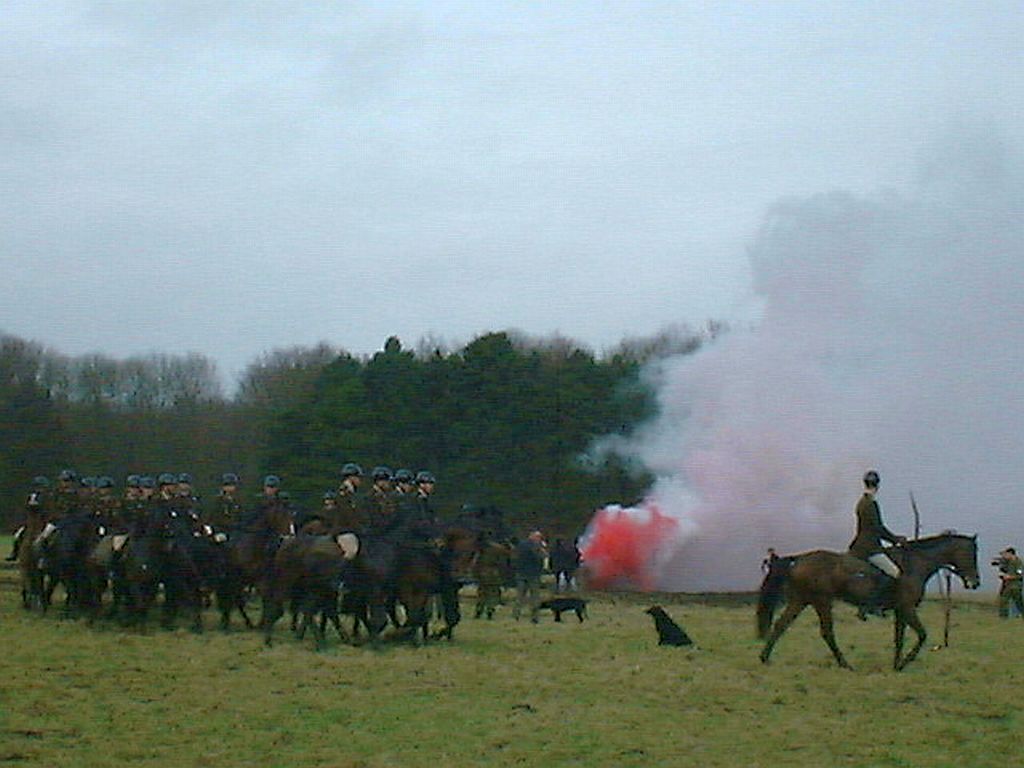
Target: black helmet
[(425, 477), (330, 495), (185, 477), (403, 476), (271, 481), (350, 470), (229, 478), (381, 473), (88, 481), (68, 475), (166, 478), (39, 481), (105, 482), (284, 496), (132, 481), (147, 481), (871, 479)]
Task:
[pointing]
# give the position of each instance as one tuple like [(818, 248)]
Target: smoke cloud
[(890, 336)]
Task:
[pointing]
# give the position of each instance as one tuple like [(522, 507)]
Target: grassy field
[(511, 694)]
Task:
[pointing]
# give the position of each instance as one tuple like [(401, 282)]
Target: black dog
[(669, 633), (559, 605)]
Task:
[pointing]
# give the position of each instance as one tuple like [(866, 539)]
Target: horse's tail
[(772, 593)]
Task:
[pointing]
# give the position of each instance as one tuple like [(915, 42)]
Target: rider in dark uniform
[(425, 484), (350, 505), (380, 505), (187, 500), (270, 497), (106, 505), (38, 501), (227, 506), (867, 543), (67, 499), (131, 503), (406, 502)]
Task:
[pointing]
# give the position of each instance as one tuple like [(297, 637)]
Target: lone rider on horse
[(867, 544)]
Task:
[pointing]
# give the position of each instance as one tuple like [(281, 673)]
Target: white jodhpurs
[(884, 563)]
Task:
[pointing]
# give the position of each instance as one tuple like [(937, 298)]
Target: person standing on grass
[(530, 555), (1011, 576)]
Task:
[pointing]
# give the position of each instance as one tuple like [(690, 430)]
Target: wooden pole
[(949, 608)]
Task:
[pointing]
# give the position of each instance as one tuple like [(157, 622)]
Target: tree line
[(503, 421)]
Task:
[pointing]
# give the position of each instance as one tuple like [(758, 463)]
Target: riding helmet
[(871, 479), (351, 470)]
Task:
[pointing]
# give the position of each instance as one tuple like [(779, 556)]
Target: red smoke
[(621, 546)]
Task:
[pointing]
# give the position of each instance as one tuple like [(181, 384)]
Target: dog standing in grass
[(669, 633), (560, 605)]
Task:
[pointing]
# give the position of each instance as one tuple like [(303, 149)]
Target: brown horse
[(820, 577), (423, 571), (307, 571)]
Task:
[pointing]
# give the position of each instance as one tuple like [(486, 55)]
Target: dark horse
[(820, 577), (249, 551), (62, 559), (376, 572), (163, 549), (424, 571)]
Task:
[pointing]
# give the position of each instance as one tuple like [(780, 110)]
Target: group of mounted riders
[(385, 546), (369, 553)]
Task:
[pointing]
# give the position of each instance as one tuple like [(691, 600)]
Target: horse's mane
[(938, 538)]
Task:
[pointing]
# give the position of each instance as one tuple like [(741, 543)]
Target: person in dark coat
[(529, 566)]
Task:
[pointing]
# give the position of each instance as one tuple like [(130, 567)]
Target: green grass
[(511, 694)]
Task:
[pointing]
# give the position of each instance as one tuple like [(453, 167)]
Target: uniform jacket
[(871, 532)]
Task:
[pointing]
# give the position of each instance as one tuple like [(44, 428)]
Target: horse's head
[(462, 546), (962, 559)]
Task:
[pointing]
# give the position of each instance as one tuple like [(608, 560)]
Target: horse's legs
[(335, 620), (899, 630), (449, 599), (272, 611), (911, 618), (824, 610), (197, 597), (788, 616)]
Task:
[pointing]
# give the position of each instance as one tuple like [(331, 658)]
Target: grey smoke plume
[(891, 335)]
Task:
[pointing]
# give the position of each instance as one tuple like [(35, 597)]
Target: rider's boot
[(16, 545)]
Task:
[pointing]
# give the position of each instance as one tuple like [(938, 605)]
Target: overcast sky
[(230, 177)]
